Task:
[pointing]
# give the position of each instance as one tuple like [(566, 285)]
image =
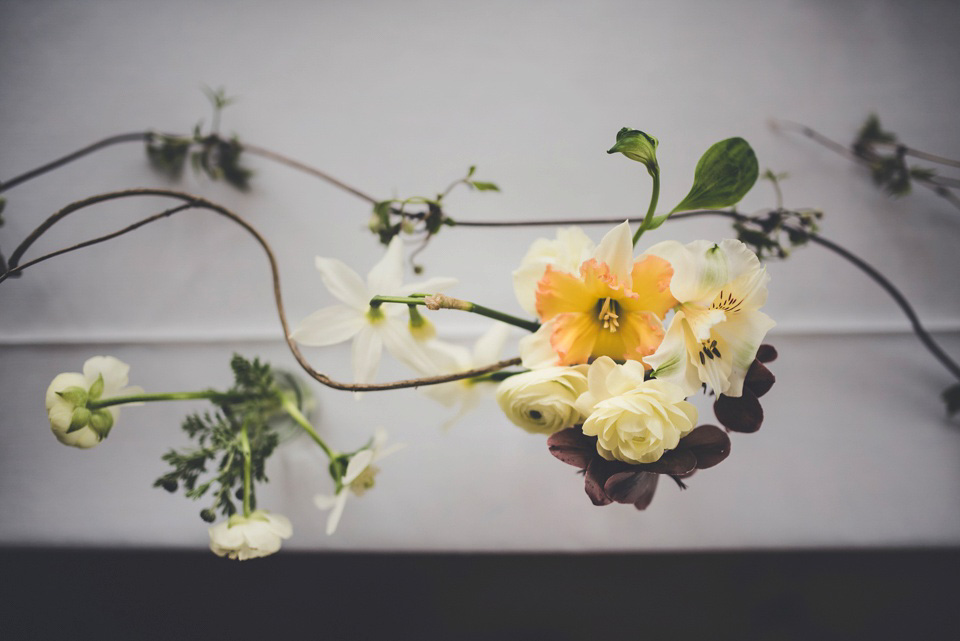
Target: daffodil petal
[(333, 520), (400, 343), (329, 326), (367, 347), (489, 346), (344, 283), (535, 349), (360, 461), (386, 277), (616, 250)]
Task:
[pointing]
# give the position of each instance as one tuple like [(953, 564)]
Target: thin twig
[(941, 190), (201, 203), (916, 153), (80, 153)]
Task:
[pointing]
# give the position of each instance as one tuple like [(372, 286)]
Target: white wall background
[(398, 99)]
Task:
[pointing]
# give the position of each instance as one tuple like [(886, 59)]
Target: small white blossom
[(242, 538), (371, 329), (359, 477)]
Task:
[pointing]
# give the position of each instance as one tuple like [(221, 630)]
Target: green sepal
[(79, 419), (639, 146), (951, 396), (76, 396), (724, 175), (101, 422), (96, 390)]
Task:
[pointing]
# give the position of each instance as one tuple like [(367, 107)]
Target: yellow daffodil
[(613, 307)]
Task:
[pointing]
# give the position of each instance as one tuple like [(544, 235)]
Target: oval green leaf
[(724, 175)]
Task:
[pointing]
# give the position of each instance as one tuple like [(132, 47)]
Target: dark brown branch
[(307, 169), (201, 203)]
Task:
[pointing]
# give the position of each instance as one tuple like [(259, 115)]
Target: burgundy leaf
[(672, 462), (759, 379), (632, 487), (767, 353), (708, 443), (573, 447), (740, 414), (594, 480)]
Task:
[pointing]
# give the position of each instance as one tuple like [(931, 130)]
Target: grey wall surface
[(399, 99)]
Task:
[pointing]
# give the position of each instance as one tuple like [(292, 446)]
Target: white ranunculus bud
[(67, 396), (543, 401), (634, 420), (242, 538)]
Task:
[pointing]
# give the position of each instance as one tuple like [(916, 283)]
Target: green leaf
[(724, 175), (470, 171), (483, 186)]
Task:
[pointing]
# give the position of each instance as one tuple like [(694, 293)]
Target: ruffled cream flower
[(371, 329), (67, 396), (359, 477), (634, 420), (242, 538), (717, 329), (543, 401)]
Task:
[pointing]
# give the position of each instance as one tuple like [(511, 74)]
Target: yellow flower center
[(608, 316)]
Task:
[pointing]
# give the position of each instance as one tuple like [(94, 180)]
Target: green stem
[(654, 197), (495, 377), (218, 397), (290, 407), (465, 306), (247, 465)]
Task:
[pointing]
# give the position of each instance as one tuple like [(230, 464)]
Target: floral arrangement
[(619, 336)]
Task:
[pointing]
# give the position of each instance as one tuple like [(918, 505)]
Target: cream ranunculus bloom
[(543, 401), (243, 538), (717, 328), (103, 377), (635, 421)]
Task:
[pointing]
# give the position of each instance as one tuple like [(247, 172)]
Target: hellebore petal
[(632, 487), (573, 447), (739, 413), (708, 443)]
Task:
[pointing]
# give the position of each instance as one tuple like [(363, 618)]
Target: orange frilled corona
[(595, 315)]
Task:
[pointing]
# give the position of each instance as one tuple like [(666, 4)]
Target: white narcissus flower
[(359, 477), (103, 377), (371, 329), (567, 252), (466, 393), (242, 538), (714, 336), (543, 401), (634, 420)]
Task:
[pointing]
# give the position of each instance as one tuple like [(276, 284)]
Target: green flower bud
[(636, 145), (79, 420), (101, 422), (208, 515)]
